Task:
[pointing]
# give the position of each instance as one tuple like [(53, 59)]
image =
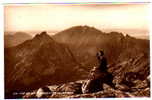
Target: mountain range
[(15, 39), (69, 55), (85, 42)]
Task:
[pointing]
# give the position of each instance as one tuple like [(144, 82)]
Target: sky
[(57, 17)]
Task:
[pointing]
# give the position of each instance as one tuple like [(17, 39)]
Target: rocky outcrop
[(72, 90), (131, 84)]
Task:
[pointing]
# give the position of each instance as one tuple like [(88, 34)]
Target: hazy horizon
[(129, 19), (124, 32)]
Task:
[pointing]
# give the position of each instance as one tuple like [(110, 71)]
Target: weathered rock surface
[(73, 90)]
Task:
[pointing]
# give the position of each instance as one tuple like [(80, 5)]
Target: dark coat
[(102, 65), (100, 71)]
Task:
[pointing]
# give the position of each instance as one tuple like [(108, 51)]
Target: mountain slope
[(38, 62), (15, 39), (85, 42)]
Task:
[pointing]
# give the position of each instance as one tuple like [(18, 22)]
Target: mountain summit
[(81, 32), (42, 36), (88, 40)]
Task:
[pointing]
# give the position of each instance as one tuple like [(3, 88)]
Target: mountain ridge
[(69, 56), (38, 59), (90, 43)]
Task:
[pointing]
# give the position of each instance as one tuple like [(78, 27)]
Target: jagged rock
[(43, 92), (100, 94), (68, 90), (139, 84), (109, 92), (53, 87), (73, 88), (142, 92), (122, 87), (60, 94)]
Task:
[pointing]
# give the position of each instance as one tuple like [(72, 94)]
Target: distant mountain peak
[(82, 27), (80, 30), (117, 34), (42, 34), (42, 38)]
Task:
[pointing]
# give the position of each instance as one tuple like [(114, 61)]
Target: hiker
[(102, 61), (98, 76)]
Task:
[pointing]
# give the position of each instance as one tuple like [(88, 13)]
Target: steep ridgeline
[(38, 62), (85, 41), (15, 39)]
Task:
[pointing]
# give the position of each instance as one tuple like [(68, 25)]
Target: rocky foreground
[(130, 81), (74, 90)]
